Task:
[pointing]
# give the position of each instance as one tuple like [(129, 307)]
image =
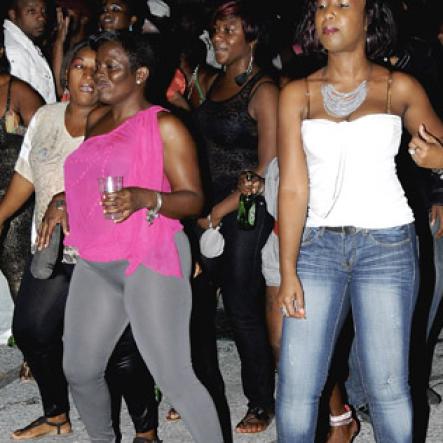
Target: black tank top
[(230, 138)]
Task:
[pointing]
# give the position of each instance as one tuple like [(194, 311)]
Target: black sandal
[(38, 422), (255, 416)]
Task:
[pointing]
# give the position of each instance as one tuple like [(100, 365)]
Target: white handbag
[(212, 242)]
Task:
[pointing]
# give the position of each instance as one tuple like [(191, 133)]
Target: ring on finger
[(284, 311)]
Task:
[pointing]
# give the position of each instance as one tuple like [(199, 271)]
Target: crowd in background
[(86, 81)]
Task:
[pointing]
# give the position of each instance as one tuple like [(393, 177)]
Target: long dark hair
[(380, 36)]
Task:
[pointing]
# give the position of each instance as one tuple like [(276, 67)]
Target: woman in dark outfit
[(238, 126)]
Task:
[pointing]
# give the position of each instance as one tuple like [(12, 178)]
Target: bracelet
[(60, 204), (152, 213)]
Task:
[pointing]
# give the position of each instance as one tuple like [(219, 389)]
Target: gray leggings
[(101, 302)]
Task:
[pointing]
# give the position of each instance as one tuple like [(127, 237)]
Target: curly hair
[(381, 34)]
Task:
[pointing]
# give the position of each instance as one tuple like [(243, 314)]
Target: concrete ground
[(20, 404)]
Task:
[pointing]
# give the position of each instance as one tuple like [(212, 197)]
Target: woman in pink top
[(135, 267)]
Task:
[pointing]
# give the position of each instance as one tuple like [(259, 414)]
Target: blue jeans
[(374, 273)]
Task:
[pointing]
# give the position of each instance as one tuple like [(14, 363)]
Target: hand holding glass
[(109, 185)]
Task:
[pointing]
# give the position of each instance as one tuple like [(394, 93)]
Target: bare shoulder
[(171, 126), (404, 86), (266, 85), (294, 95), (264, 95)]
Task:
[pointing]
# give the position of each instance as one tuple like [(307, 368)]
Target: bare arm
[(293, 193), (17, 194), (58, 50), (25, 100), (55, 214), (181, 167), (421, 122)]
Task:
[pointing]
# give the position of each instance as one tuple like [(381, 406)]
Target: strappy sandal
[(55, 429), (255, 417), (345, 419)]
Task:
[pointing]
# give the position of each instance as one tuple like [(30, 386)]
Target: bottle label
[(251, 215)]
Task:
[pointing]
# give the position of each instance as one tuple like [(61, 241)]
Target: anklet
[(341, 420)]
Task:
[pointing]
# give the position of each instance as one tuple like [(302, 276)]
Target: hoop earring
[(251, 61)]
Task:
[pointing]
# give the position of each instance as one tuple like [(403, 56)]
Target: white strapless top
[(352, 174)]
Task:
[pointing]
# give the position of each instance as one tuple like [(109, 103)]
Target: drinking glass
[(108, 185)]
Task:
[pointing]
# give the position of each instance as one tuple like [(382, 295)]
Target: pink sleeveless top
[(133, 150)]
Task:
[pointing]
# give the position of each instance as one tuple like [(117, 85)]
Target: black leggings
[(38, 329)]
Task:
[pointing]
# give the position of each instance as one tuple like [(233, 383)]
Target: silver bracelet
[(152, 213), (209, 217)]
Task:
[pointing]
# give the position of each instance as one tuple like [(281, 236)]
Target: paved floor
[(20, 403)]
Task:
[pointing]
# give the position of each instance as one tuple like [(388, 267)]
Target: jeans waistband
[(344, 229)]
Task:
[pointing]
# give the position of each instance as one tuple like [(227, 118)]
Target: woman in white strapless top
[(339, 131)]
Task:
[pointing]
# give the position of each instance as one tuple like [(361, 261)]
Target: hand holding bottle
[(250, 185), (250, 182)]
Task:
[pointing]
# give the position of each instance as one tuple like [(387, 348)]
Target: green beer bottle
[(246, 209), (246, 212)]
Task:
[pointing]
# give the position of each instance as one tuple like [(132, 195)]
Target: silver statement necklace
[(342, 104)]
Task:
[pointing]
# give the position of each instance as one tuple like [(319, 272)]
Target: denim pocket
[(309, 235), (391, 236)]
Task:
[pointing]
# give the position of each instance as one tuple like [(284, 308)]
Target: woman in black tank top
[(237, 123)]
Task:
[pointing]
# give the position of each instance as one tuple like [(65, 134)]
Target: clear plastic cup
[(108, 185)]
